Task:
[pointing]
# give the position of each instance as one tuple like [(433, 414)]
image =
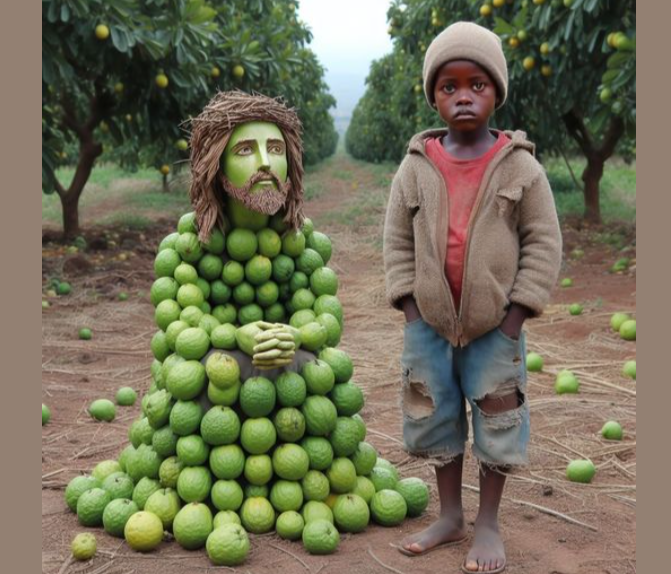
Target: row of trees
[(120, 77), (572, 68)]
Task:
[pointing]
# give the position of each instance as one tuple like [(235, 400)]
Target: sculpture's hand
[(276, 345)]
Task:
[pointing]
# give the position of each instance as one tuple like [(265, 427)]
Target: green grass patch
[(618, 189)]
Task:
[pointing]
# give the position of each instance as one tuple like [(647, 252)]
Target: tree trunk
[(596, 157), (591, 178), (166, 184)]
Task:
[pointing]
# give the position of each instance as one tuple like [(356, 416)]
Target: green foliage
[(121, 77), (568, 76)]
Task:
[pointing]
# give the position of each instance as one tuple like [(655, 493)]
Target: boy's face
[(465, 95)]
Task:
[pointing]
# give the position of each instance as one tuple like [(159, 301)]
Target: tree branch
[(577, 130)]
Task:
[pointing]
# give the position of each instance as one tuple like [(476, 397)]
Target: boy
[(472, 248)]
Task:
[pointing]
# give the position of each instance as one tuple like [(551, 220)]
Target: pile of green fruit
[(216, 456)]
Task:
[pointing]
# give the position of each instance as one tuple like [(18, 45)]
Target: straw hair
[(211, 132)]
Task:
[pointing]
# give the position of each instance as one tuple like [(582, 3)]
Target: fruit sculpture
[(251, 423)]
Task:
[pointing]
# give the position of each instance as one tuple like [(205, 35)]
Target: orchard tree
[(572, 67), (127, 76), (118, 72)]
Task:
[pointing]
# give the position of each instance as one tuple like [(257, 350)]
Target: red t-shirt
[(462, 179)]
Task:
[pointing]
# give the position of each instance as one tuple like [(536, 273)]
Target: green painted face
[(255, 147)]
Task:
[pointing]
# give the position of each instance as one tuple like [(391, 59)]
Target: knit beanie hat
[(466, 41)]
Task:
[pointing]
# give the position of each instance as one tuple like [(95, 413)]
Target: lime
[(291, 389), (194, 483), (345, 437), (192, 450), (225, 313), (165, 504), (575, 309), (289, 525), (329, 304), (185, 417), (286, 495), (244, 293), (228, 545), (258, 469), (233, 273), (63, 288), (157, 408), (171, 334), (566, 282), (258, 270), (302, 299), (143, 531), (628, 330), (227, 495), (102, 410), (188, 247), (187, 223), (342, 475), (313, 336), (227, 462), (163, 288), (347, 398), (116, 515), (320, 537), (104, 469), (340, 363), (534, 363), (384, 475), (253, 490), (222, 370), (290, 424), (257, 397), (308, 227), (270, 243), (169, 471), (277, 222), (168, 365), (315, 485), (320, 415), (192, 526), (320, 452), (314, 510), (250, 314), (78, 486), (388, 508), (122, 296), (318, 375), (566, 382), (302, 317), (351, 513), (223, 397), (216, 243), (309, 261), (324, 281), (166, 312), (267, 294), (46, 414), (191, 315), (612, 430), (617, 319), (223, 337), (84, 546), (85, 334), (220, 426), (364, 488), (333, 328), (299, 280), (226, 517), (168, 242), (293, 243), (118, 485), (275, 313), (241, 244), (220, 293), (364, 458), (321, 244), (186, 380), (186, 273), (143, 490), (290, 461), (257, 515), (208, 323), (166, 262), (258, 436), (415, 493), (210, 267), (580, 471), (283, 268), (159, 344), (91, 505), (190, 295), (629, 369)]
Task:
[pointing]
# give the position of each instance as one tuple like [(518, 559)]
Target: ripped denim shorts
[(438, 379)]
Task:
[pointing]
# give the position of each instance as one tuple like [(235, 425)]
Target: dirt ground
[(550, 526)]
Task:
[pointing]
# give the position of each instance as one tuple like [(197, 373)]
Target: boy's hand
[(514, 319), (410, 309)]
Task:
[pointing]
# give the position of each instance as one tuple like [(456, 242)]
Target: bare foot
[(445, 529), (487, 552)]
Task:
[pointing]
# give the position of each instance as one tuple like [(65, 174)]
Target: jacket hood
[(518, 137)]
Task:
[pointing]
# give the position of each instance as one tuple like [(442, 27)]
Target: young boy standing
[(472, 248)]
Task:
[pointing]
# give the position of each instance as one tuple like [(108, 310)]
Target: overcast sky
[(347, 36)]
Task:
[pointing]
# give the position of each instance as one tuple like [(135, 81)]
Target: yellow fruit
[(499, 3), (545, 48), (238, 71), (162, 81), (485, 10), (84, 546), (165, 169), (514, 42), (546, 70), (118, 87), (102, 32), (215, 72), (528, 63), (143, 531)]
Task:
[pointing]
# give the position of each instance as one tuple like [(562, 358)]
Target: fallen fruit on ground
[(534, 362), (612, 430), (126, 397), (580, 471), (84, 546), (628, 330), (46, 414), (617, 319), (102, 410), (575, 309), (566, 383), (143, 531), (566, 282), (629, 369)]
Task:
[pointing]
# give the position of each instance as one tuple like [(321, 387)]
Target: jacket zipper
[(457, 316)]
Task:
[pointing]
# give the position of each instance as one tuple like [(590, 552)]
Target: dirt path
[(350, 210)]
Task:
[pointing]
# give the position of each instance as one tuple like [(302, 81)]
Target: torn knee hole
[(417, 401), (507, 397)]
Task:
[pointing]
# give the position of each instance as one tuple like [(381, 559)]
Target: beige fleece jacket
[(513, 250)]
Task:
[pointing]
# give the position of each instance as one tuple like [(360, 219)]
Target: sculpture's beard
[(267, 201)]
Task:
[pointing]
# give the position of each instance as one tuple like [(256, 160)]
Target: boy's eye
[(479, 86), (448, 88)]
